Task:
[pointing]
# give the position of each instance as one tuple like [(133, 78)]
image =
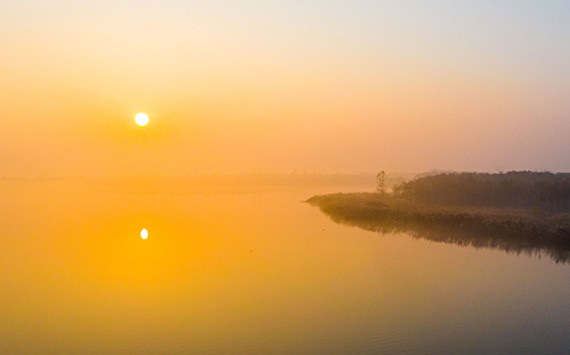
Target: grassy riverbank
[(502, 225)]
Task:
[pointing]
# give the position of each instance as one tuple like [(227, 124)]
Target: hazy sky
[(277, 86)]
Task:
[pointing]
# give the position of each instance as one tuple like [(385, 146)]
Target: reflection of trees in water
[(560, 253)]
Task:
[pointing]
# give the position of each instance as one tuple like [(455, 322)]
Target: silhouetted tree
[(381, 182)]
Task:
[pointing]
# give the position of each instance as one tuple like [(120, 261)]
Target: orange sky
[(257, 87)]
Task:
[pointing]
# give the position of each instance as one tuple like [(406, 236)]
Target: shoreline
[(509, 229)]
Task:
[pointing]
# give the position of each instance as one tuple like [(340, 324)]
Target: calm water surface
[(253, 270)]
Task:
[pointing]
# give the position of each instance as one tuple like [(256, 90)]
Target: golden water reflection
[(144, 233), (252, 272)]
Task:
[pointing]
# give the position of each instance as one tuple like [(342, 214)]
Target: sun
[(144, 234), (141, 119)]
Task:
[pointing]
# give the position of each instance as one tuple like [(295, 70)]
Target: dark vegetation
[(545, 191), (516, 211)]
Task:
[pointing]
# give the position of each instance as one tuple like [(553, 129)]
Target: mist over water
[(231, 114), (250, 268)]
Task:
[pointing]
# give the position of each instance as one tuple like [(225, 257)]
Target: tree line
[(518, 189)]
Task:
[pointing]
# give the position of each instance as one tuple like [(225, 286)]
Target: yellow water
[(252, 269)]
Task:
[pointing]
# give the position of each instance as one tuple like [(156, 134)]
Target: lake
[(250, 268)]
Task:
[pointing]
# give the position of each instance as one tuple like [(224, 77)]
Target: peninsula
[(514, 211)]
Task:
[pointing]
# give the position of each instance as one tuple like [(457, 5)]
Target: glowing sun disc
[(141, 119), (144, 234)]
